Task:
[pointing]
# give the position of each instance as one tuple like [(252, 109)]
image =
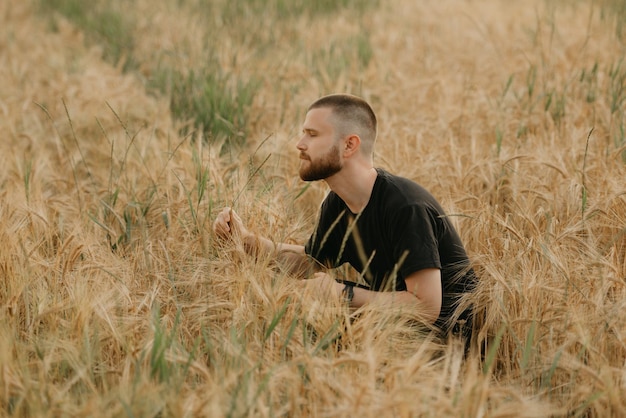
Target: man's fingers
[(228, 223), (222, 224), (235, 224), (321, 285)]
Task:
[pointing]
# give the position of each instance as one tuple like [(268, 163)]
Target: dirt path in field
[(43, 72)]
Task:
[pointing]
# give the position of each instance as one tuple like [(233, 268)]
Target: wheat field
[(116, 300)]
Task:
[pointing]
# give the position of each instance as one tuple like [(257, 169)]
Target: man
[(390, 229)]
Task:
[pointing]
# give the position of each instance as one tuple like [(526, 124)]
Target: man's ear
[(351, 145)]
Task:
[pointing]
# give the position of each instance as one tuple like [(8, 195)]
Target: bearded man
[(389, 228)]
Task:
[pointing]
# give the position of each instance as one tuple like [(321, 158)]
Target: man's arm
[(292, 257), (423, 293)]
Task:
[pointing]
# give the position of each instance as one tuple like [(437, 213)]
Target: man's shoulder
[(401, 189)]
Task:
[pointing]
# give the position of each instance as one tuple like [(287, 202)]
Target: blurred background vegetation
[(129, 123), (211, 96)]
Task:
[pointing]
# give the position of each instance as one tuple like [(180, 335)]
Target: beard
[(326, 166)]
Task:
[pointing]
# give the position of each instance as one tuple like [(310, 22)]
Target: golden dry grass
[(116, 301)]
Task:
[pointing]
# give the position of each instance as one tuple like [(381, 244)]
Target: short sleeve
[(415, 239)]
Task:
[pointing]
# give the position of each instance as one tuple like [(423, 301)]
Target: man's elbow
[(432, 312), (428, 308)]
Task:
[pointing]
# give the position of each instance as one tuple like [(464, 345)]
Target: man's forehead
[(317, 118)]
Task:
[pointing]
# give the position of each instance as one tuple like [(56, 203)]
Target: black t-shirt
[(403, 229)]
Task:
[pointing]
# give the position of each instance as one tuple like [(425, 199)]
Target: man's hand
[(228, 224), (229, 227), (323, 286)]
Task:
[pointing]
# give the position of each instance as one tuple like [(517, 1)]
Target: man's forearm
[(258, 246), (288, 256), (365, 296)]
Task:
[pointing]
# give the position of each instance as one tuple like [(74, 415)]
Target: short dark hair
[(351, 113)]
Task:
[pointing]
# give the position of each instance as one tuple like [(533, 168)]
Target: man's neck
[(354, 186)]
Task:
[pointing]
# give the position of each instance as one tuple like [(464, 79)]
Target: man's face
[(319, 151)]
